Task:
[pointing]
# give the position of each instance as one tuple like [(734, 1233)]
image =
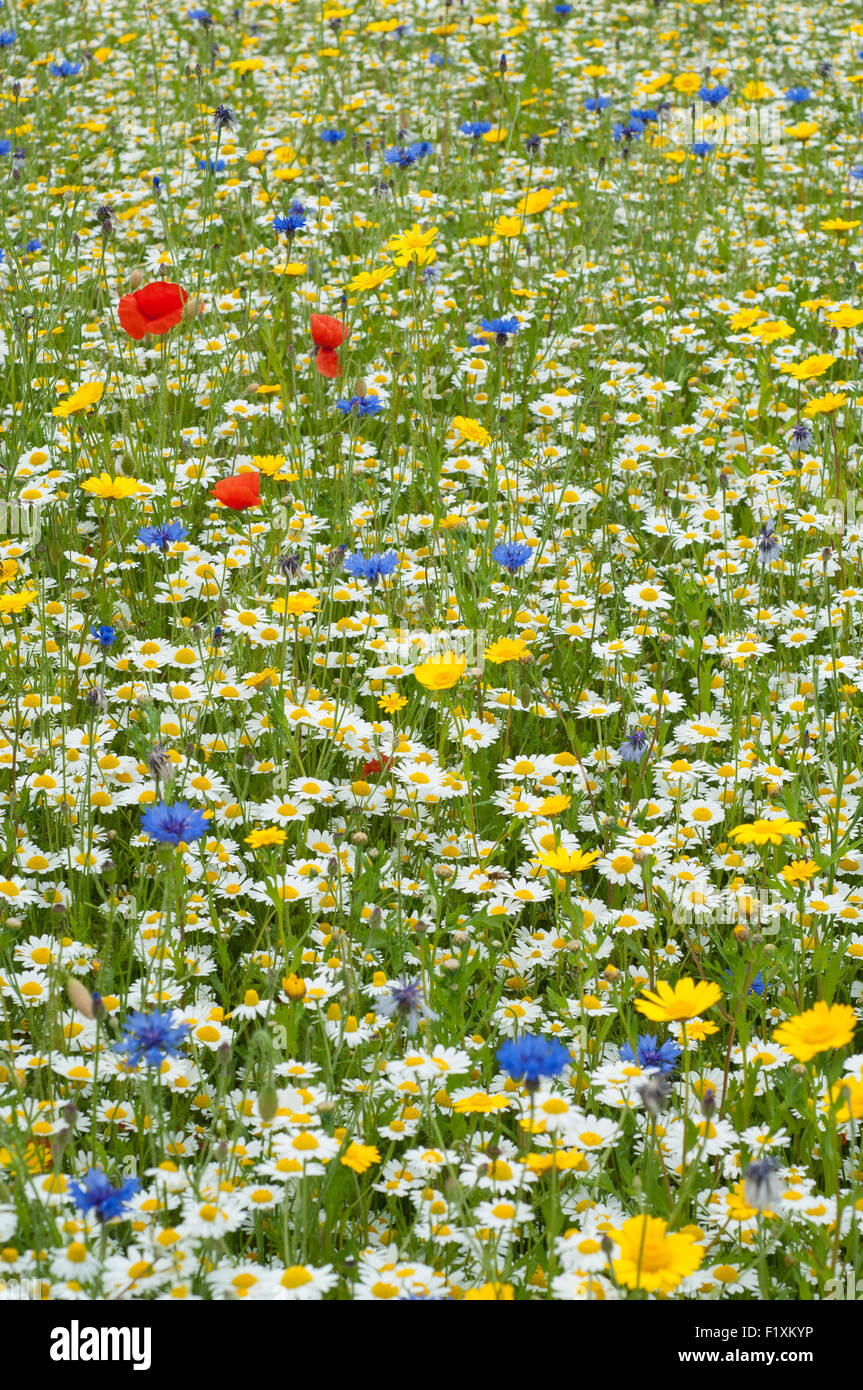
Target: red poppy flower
[(327, 335), (370, 769), (327, 332), (327, 362), (155, 308), (239, 492)]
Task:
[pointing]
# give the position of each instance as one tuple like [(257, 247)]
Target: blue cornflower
[(164, 535), (631, 131), (769, 545), (596, 103), (157, 185), (437, 60), (797, 95), (532, 1057), (475, 128), (854, 173), (97, 1195), (563, 9), (757, 986), (406, 155), (644, 115), (512, 555), (212, 166), (202, 16), (500, 327), (360, 405), (633, 746), (371, 568), (224, 118), (714, 96), (64, 69), (802, 435), (5, 147), (650, 1053), (104, 635), (7, 37), (406, 1004), (174, 825), (34, 244), (151, 1038), (292, 221), (332, 137), (703, 147)]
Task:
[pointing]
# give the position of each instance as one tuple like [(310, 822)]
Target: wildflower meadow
[(431, 586)]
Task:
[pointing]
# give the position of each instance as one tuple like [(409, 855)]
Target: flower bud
[(761, 1188), (136, 279), (79, 997), (268, 1103), (193, 307)]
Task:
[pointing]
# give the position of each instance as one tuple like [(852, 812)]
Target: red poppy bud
[(327, 332), (239, 492), (155, 308)]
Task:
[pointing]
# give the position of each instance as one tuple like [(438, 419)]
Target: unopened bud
[(268, 1103), (193, 307), (655, 1093), (761, 1188), (136, 279), (80, 997)]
